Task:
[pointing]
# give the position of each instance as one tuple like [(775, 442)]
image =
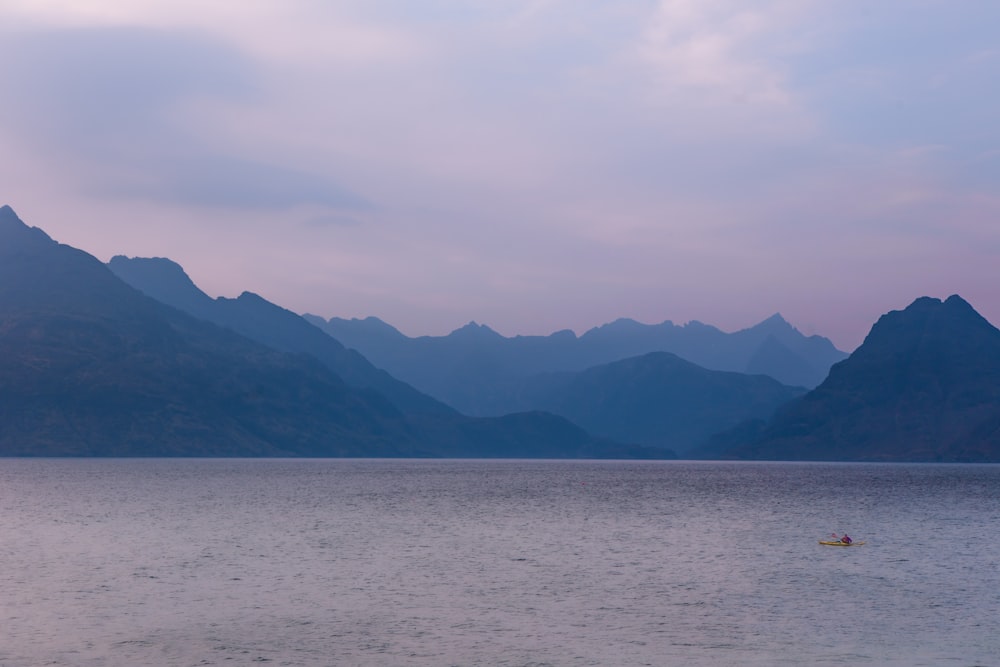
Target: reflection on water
[(188, 562)]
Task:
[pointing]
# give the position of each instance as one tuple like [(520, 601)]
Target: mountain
[(89, 366), (657, 399), (534, 434), (274, 326), (479, 372), (924, 386), (805, 363)]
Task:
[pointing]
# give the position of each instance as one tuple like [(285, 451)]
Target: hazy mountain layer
[(657, 399), (478, 371), (267, 323)]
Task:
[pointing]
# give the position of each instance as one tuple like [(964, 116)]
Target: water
[(350, 562)]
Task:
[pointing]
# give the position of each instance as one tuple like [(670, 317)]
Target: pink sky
[(531, 165)]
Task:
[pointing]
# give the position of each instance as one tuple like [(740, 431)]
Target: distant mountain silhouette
[(775, 359), (479, 372), (551, 436), (89, 366), (657, 399), (924, 386), (267, 323)]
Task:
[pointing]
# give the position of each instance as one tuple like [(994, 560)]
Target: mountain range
[(656, 400), (479, 372), (132, 359), (91, 366)]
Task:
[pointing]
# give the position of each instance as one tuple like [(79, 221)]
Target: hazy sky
[(533, 165)]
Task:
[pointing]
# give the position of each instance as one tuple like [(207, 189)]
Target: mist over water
[(389, 562)]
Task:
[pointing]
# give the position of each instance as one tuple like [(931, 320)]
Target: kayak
[(838, 543)]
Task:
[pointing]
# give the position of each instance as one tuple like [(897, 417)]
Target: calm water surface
[(357, 562)]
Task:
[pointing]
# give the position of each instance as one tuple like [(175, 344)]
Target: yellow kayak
[(838, 543)]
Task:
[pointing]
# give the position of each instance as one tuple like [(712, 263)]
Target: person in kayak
[(846, 539)]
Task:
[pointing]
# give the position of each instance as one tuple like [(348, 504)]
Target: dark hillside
[(258, 319), (657, 400), (89, 366), (924, 386)]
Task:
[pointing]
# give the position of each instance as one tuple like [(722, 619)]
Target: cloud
[(225, 181), (347, 31), (655, 159), (724, 60), (134, 103), (697, 44), (97, 86)]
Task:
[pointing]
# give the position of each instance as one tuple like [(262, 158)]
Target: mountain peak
[(697, 325), (957, 303), (9, 219), (162, 279), (623, 322), (924, 321), (475, 329), (350, 331), (953, 303), (611, 328), (775, 319), (13, 228), (251, 297), (775, 323), (160, 265), (922, 387)]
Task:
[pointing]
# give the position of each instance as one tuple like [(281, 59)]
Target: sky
[(532, 165)]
